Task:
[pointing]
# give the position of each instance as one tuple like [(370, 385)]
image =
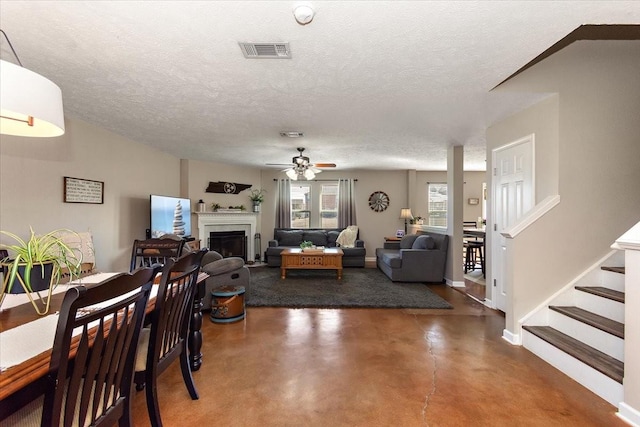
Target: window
[(314, 204), (437, 203), (329, 206), (300, 205)]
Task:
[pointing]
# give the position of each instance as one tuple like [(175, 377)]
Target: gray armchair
[(418, 258), (222, 272)]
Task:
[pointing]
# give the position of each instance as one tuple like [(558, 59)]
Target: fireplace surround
[(228, 221)]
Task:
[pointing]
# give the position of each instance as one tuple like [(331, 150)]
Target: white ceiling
[(372, 84)]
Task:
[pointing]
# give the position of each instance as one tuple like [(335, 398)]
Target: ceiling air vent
[(266, 50)]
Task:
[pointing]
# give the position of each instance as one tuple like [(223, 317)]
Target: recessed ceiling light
[(292, 134)]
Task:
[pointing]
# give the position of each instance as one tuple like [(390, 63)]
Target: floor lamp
[(405, 213)]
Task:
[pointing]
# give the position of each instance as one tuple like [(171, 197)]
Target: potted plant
[(36, 264), (257, 197)]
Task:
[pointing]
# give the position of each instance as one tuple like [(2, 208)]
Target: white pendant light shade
[(30, 105)]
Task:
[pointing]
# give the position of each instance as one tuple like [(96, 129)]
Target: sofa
[(292, 237), (417, 258)]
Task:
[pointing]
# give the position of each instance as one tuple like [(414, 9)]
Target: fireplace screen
[(229, 243)]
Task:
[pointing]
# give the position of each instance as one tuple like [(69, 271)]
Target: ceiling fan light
[(308, 174), (292, 174)]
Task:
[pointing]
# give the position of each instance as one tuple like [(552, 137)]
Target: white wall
[(31, 187)]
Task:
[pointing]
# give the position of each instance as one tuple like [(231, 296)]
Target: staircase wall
[(597, 151)]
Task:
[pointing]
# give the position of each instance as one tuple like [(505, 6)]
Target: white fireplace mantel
[(228, 221)]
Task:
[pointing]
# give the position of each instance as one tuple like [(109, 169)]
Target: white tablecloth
[(29, 340), (13, 300)]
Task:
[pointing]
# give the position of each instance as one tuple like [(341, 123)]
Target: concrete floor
[(373, 367)]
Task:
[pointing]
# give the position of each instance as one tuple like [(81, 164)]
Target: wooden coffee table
[(296, 259)]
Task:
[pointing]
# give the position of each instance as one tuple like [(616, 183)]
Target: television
[(170, 215)]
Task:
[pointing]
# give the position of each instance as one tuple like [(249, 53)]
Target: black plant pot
[(39, 281)]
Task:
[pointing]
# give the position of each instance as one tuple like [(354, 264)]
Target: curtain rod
[(318, 180)]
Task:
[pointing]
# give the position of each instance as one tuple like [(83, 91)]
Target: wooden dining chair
[(98, 329), (167, 337), (154, 251)]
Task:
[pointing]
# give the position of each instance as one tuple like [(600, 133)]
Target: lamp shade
[(405, 213), (30, 105)]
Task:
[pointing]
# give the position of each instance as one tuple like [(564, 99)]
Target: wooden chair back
[(96, 388), (168, 335), (154, 251)]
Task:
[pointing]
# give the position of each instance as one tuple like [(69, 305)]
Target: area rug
[(359, 287)]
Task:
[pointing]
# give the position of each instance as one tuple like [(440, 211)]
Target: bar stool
[(474, 255)]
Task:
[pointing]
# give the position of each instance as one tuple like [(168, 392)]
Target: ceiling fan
[(301, 168)]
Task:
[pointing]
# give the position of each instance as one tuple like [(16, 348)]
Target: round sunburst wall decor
[(378, 201)]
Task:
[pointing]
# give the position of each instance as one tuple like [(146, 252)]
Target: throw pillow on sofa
[(424, 242), (347, 237)]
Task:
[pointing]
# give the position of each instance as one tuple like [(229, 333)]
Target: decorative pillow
[(289, 237), (424, 242), (347, 237), (407, 241), (317, 237)]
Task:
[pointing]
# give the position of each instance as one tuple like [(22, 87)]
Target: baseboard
[(511, 338), (628, 414), (453, 284)]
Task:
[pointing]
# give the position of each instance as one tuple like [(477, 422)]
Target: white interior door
[(514, 195)]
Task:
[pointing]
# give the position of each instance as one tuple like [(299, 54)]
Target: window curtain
[(346, 203), (283, 204)]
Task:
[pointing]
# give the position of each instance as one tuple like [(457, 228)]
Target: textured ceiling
[(372, 84)]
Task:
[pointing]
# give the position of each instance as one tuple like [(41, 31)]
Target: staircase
[(581, 331)]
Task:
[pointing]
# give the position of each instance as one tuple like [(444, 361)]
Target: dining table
[(23, 368)]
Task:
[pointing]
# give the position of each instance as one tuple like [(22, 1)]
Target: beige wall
[(130, 171), (31, 187), (595, 118)]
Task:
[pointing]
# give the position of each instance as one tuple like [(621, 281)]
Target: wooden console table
[(296, 259)]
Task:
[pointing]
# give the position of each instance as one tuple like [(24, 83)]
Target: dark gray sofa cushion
[(289, 237), (332, 236), (393, 260), (317, 237), (424, 242)]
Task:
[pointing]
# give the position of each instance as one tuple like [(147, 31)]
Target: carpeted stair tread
[(614, 269), (603, 292), (600, 322), (588, 355)]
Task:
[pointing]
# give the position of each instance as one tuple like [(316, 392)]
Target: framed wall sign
[(473, 201), (77, 190)]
